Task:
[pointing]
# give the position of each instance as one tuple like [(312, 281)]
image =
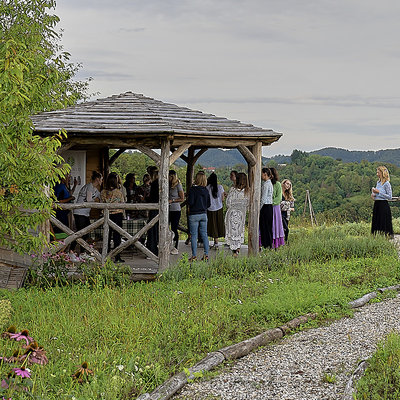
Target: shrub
[(5, 312)]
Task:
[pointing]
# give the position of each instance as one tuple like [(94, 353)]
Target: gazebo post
[(164, 242), (255, 194)]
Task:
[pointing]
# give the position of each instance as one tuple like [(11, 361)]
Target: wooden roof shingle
[(131, 115)]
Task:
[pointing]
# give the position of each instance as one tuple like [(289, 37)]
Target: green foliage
[(136, 336), (35, 76), (381, 380), (319, 245), (51, 270), (339, 191), (5, 312)]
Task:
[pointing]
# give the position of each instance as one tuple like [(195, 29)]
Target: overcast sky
[(322, 72)]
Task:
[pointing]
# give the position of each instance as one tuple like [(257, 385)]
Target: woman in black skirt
[(382, 216)]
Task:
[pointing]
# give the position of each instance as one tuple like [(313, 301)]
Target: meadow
[(128, 338)]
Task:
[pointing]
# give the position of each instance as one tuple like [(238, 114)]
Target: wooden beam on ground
[(247, 154), (255, 194)]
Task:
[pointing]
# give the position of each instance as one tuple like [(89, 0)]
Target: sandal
[(191, 259), (204, 258)]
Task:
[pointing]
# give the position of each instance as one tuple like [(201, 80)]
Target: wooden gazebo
[(133, 121)]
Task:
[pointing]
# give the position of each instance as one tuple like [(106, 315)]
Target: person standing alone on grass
[(266, 213), (215, 214), (381, 215), (198, 202)]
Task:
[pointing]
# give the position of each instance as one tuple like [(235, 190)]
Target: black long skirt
[(382, 218), (266, 218)]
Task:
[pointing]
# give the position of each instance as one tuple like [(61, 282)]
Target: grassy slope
[(156, 329)]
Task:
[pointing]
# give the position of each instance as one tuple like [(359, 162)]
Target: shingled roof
[(131, 115)]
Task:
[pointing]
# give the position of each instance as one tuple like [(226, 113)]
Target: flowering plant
[(50, 269)]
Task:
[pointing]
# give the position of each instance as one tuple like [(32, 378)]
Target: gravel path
[(296, 368)]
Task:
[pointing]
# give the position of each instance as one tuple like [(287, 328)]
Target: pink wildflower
[(4, 384), (22, 336), (35, 355), (22, 372)]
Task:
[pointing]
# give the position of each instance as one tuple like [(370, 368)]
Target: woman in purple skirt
[(278, 234)]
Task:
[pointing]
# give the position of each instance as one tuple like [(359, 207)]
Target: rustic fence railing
[(106, 223)]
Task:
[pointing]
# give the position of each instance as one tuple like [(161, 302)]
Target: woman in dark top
[(152, 233), (198, 201)]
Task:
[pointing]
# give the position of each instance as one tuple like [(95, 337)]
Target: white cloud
[(323, 72)]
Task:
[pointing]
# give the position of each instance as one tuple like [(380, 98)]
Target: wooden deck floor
[(140, 264)]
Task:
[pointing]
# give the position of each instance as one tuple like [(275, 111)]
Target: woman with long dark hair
[(154, 196), (266, 212), (381, 215), (215, 215)]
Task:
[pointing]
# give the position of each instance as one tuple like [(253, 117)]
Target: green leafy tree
[(35, 76)]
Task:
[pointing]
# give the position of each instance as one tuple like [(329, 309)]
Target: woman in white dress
[(237, 202)]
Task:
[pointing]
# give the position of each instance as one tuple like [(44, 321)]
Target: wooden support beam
[(116, 155), (255, 194), (106, 234), (164, 235), (247, 154), (150, 153), (64, 147), (178, 153), (198, 154), (105, 161)]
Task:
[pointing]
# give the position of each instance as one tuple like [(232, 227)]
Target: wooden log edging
[(350, 389), (167, 389), (351, 384), (172, 385)]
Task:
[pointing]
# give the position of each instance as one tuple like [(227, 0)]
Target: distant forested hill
[(391, 156), (229, 158)]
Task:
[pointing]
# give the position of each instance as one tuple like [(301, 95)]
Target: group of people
[(276, 203), (205, 200), (205, 215), (205, 212), (114, 191)]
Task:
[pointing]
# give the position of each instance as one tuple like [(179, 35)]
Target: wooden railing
[(107, 224)]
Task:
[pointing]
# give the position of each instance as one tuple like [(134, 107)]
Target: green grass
[(381, 380), (135, 336)]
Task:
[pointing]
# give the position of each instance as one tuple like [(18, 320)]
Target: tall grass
[(135, 336), (382, 377)]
